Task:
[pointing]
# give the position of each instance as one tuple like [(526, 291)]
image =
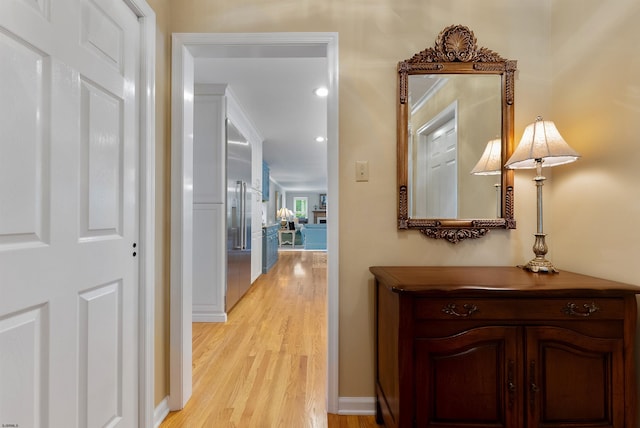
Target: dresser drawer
[(564, 308)]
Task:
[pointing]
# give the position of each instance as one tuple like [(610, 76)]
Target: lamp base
[(539, 263)]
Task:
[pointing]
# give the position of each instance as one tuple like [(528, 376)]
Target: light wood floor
[(266, 366)]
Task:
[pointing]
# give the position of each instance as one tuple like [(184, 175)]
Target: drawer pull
[(573, 310), (452, 309)]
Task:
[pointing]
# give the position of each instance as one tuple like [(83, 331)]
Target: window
[(300, 207)]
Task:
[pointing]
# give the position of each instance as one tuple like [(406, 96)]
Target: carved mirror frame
[(456, 52)]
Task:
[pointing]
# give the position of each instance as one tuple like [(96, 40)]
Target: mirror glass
[(452, 117), (455, 108)]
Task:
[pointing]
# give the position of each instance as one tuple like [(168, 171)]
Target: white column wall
[(209, 181)]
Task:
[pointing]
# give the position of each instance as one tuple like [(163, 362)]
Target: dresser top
[(433, 279)]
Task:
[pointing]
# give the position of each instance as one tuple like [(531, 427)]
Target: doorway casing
[(185, 48)]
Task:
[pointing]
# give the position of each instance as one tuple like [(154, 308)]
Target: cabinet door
[(469, 379), (573, 380)]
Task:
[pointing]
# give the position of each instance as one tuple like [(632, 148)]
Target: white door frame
[(147, 200), (185, 47)]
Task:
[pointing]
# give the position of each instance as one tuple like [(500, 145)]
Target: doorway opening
[(186, 49)]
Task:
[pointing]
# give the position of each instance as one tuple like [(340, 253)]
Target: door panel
[(464, 380), (68, 213), (100, 345), (24, 334), (564, 369), (101, 166), (23, 158), (103, 36)]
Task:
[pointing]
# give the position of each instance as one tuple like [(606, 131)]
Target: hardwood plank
[(266, 366), (340, 421)]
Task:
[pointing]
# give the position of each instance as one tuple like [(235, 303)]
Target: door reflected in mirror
[(451, 119)]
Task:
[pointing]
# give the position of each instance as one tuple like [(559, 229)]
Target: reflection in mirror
[(451, 118), (453, 99), (490, 163)]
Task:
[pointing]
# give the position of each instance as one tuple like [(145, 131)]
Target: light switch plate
[(362, 170)]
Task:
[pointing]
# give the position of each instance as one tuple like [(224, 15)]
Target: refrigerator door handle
[(243, 214), (237, 217)]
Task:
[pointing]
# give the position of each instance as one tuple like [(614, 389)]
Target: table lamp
[(541, 146), (490, 163), (283, 213)]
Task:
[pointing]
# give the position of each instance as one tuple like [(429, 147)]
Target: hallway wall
[(569, 55)]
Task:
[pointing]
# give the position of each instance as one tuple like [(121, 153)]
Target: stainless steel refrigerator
[(238, 216)]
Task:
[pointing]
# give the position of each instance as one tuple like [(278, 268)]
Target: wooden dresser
[(502, 347)]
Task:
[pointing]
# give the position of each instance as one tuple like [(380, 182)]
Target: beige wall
[(373, 36), (596, 105)]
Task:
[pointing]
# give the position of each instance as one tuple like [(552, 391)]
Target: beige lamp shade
[(541, 140), (283, 213), (490, 162)]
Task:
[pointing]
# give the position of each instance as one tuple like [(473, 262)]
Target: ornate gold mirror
[(454, 101)]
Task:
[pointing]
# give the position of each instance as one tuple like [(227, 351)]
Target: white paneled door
[(68, 213), (442, 171)]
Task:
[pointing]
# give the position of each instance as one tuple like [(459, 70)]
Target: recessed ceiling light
[(320, 139), (321, 92)]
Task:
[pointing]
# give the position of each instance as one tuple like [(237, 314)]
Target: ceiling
[(276, 93)]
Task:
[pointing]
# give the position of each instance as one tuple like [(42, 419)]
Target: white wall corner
[(161, 412), (362, 406)]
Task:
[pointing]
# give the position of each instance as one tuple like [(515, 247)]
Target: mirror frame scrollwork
[(456, 52)]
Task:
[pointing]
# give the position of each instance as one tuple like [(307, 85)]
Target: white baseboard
[(365, 406), (216, 317), (357, 406), (161, 412)]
